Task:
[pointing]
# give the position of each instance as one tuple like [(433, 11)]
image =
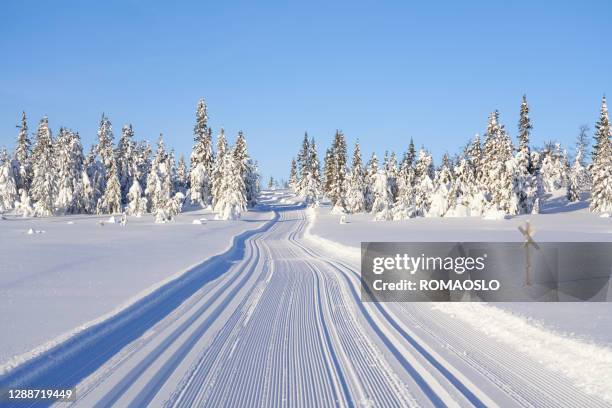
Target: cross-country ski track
[(277, 322)]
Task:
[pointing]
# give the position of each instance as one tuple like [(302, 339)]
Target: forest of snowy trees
[(53, 176), (491, 177)]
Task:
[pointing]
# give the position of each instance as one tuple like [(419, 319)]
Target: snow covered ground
[(574, 339), (277, 321), (558, 222), (73, 272)]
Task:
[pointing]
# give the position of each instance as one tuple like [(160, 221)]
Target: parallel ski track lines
[(515, 374), (213, 307), (279, 323), (523, 380)]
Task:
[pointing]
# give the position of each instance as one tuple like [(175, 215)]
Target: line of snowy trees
[(491, 177), (52, 175)]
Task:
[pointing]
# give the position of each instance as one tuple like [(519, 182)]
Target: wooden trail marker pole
[(526, 231)]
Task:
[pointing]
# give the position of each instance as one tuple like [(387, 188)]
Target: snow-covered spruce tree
[(104, 149), (247, 170), (159, 183), (355, 194), (137, 203), (369, 180), (601, 167), (310, 182), (391, 170), (525, 179), (440, 199), (409, 156), (231, 201), (463, 199), (142, 164), (525, 128), (181, 176), (110, 203), (69, 167), (217, 174), (498, 167), (202, 160), (173, 170), (89, 192), (473, 154), (271, 183), (579, 171), (383, 199), (8, 187), (337, 193), (423, 185), (44, 181), (251, 182), (328, 172), (404, 205), (293, 176), (22, 169), (125, 155), (573, 187), (303, 162), (554, 167), (24, 205)]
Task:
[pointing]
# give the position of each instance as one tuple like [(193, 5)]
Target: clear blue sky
[(381, 71)]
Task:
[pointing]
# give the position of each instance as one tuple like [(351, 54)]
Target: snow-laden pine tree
[(104, 149), (44, 180), (355, 194), (526, 189), (463, 199), (247, 168), (110, 203), (22, 168), (142, 162), (498, 167), (525, 128), (181, 176), (409, 156), (24, 206), (554, 167), (572, 192), (293, 175), (202, 160), (231, 201), (8, 187), (404, 204), (217, 174), (159, 182), (392, 172), (383, 199), (124, 156), (69, 166), (369, 179), (423, 185), (303, 162), (328, 172), (137, 203), (473, 154), (93, 181), (601, 167), (441, 197), (337, 193), (310, 181)]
